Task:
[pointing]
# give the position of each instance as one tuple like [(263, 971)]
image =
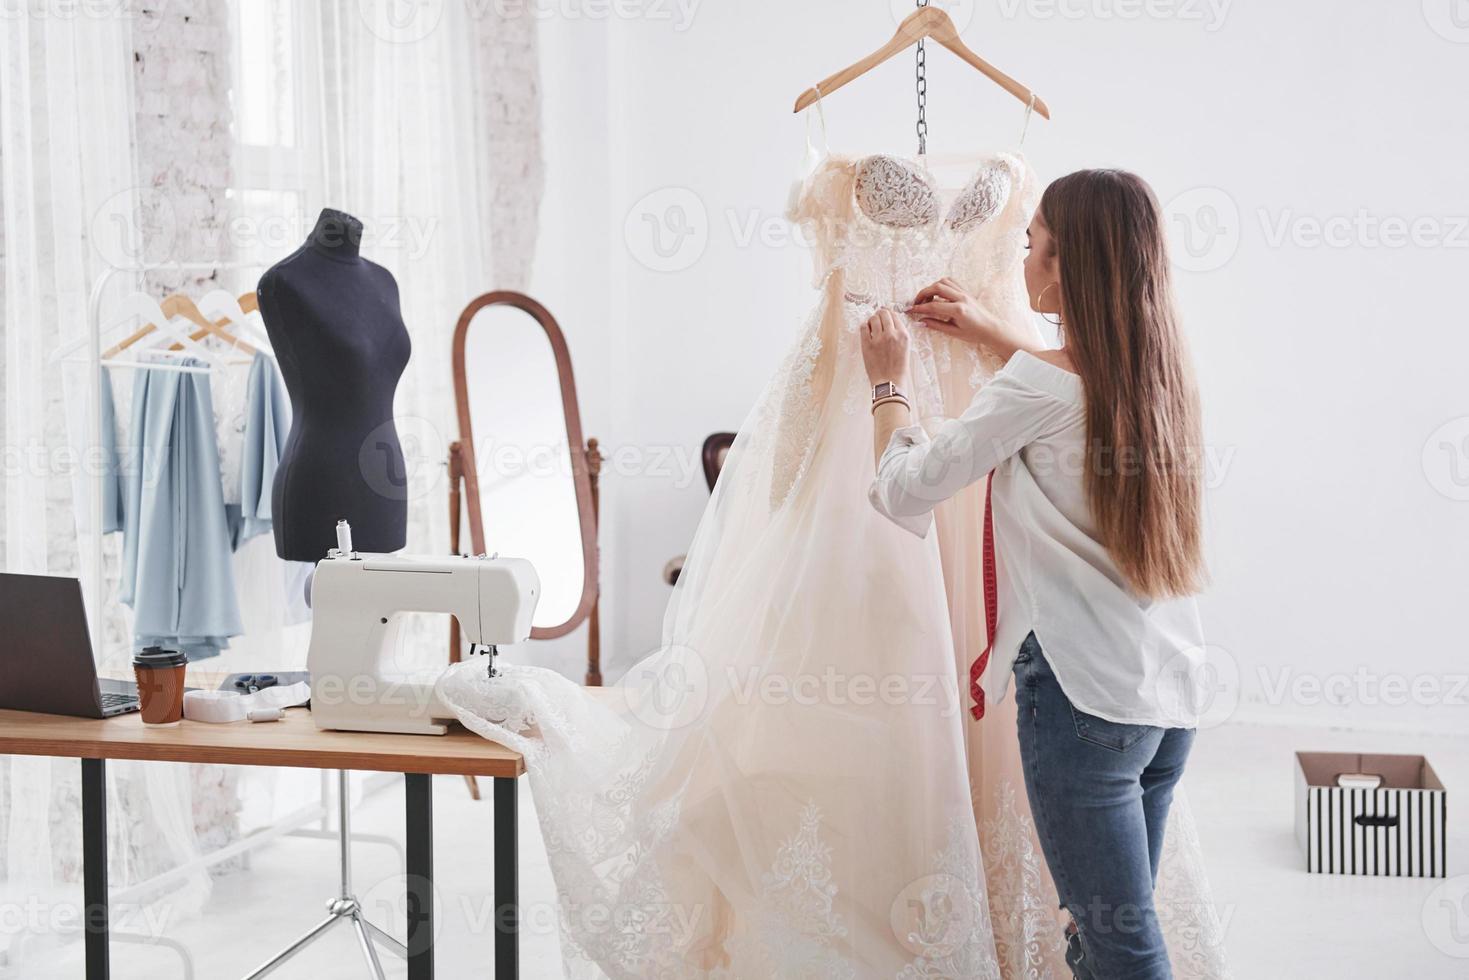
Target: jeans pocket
[(1108, 734)]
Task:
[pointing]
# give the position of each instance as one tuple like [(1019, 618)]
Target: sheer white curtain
[(409, 104), (70, 206), (407, 161)]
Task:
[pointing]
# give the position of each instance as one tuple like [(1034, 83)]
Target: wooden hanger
[(223, 308), (148, 311), (180, 305), (924, 22), (170, 307)]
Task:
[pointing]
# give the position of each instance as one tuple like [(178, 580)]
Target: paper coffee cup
[(160, 675)]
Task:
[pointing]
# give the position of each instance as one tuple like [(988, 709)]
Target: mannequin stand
[(343, 908)]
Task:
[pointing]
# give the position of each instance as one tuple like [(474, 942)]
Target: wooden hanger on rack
[(169, 308), (223, 308), (923, 23), (142, 308), (179, 305)]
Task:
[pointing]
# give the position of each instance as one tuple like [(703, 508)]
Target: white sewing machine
[(357, 603)]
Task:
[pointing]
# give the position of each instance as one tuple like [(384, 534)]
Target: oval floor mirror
[(529, 480)]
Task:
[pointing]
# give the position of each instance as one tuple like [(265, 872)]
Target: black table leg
[(94, 867), (419, 793), (507, 881)]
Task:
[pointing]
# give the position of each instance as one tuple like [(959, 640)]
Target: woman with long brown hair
[(1093, 453)]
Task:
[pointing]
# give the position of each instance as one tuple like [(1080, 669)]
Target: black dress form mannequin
[(339, 337)]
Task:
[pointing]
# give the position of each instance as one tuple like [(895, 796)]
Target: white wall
[(572, 271), (1336, 541)]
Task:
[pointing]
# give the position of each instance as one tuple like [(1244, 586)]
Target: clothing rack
[(92, 343)]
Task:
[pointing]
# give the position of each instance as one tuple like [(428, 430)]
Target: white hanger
[(131, 312), (141, 309), (220, 303)]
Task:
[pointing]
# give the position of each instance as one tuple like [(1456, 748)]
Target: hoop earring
[(1056, 322)]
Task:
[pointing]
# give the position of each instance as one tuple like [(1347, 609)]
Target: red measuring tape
[(991, 603)]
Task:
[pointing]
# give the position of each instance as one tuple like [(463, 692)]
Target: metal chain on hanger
[(921, 72)]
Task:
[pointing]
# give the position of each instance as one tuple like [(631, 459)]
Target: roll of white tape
[(215, 707)]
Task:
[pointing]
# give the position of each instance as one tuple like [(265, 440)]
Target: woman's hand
[(885, 347), (885, 354), (944, 306)]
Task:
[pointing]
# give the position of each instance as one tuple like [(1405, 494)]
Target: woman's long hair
[(1143, 472)]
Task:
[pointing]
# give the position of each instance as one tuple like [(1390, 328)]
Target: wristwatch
[(885, 390)]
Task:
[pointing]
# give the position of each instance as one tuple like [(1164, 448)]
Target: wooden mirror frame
[(586, 464)]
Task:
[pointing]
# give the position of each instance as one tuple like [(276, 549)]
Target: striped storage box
[(1371, 814)]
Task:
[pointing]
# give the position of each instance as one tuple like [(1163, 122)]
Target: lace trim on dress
[(952, 934), (892, 192), (1027, 940), (796, 426), (1186, 911), (799, 920), (983, 199)]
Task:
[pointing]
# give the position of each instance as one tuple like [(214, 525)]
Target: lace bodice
[(896, 192), (887, 226)]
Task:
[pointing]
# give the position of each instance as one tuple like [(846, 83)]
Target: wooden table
[(292, 742)]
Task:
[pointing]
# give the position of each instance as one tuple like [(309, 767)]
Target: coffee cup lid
[(159, 657)]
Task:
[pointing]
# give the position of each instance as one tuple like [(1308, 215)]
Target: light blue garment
[(112, 488), (176, 568), (267, 423)]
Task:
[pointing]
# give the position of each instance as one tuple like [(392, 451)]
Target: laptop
[(46, 651)]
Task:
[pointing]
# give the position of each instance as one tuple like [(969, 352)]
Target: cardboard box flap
[(1397, 771)]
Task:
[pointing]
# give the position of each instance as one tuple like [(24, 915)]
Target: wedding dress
[(791, 786)]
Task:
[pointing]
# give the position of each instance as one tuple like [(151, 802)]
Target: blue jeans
[(1099, 792)]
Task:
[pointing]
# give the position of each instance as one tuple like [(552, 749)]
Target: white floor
[(1282, 922)]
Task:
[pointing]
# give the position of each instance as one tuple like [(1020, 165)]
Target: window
[(277, 159)]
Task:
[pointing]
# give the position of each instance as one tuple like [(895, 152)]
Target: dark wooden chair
[(716, 448)]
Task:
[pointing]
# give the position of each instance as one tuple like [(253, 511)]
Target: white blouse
[(1125, 659)]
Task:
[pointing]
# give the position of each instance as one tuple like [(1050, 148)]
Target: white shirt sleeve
[(917, 473)]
